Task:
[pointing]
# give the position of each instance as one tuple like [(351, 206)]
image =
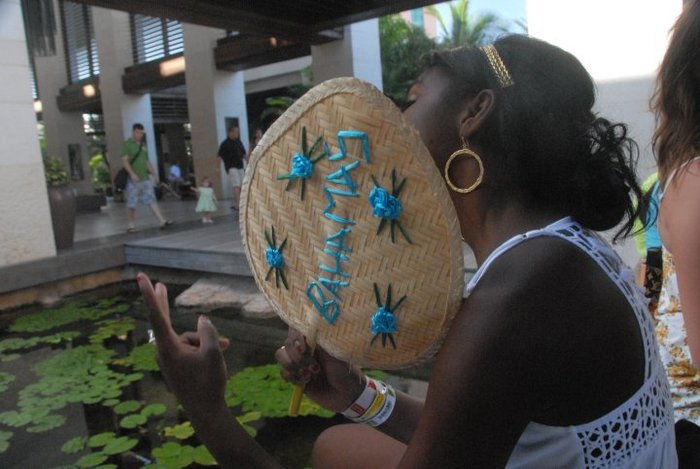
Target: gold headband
[(497, 65)]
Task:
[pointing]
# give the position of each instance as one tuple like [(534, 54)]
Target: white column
[(212, 97), (60, 128), (25, 229), (357, 55), (120, 110)]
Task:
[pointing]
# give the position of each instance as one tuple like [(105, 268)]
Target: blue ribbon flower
[(384, 205), (274, 258), (388, 207), (303, 161), (301, 166), (383, 322)]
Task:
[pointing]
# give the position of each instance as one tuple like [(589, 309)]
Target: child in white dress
[(206, 205)]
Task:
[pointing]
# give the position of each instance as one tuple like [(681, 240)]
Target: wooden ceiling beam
[(224, 15)]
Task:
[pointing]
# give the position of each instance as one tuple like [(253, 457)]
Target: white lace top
[(637, 434)]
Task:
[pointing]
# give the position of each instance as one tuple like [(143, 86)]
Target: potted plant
[(100, 175), (61, 201)]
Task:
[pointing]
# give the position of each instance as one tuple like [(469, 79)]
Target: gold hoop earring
[(467, 152)]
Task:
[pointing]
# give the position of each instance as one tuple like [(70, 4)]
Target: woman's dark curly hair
[(545, 143)]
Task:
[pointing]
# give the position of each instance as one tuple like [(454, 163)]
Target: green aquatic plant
[(56, 317), (18, 343), (5, 441), (261, 389), (108, 328), (141, 358), (80, 374), (91, 460), (181, 431), (74, 445), (5, 380), (127, 407), (135, 420), (174, 455)]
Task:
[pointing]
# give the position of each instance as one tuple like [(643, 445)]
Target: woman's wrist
[(374, 405)]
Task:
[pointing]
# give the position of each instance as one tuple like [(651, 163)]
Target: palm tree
[(466, 28)]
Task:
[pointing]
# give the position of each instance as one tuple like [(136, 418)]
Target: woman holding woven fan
[(551, 360)]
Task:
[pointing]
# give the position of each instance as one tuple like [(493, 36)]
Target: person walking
[(233, 154), (139, 188)]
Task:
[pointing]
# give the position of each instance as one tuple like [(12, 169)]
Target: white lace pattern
[(642, 424)]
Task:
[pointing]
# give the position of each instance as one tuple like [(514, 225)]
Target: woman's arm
[(680, 230), (195, 370)]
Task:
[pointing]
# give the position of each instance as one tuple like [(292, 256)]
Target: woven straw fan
[(349, 229)]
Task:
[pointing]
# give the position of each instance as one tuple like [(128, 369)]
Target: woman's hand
[(330, 382), (191, 363)]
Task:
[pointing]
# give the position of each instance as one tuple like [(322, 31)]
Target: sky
[(507, 9)]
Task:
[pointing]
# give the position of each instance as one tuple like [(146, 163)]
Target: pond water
[(79, 387)]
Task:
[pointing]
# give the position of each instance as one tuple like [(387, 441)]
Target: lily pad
[(74, 445), (127, 407), (202, 456), (153, 410), (5, 441), (141, 358), (173, 455), (101, 439), (119, 445), (182, 431), (91, 460), (262, 389), (9, 357), (132, 421), (5, 380), (13, 418), (46, 423)]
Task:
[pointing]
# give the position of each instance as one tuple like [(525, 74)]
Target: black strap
[(131, 161)]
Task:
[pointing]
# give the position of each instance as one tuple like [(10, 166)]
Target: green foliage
[(100, 172), (18, 343), (46, 423), (91, 460), (119, 445), (467, 28), (174, 455), (56, 317), (262, 389), (55, 172), (153, 410), (5, 380), (127, 407), (132, 421), (119, 328), (141, 358), (402, 46), (5, 441), (74, 445), (181, 431), (74, 375), (276, 105), (101, 439)]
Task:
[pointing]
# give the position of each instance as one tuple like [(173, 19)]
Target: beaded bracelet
[(375, 404)]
